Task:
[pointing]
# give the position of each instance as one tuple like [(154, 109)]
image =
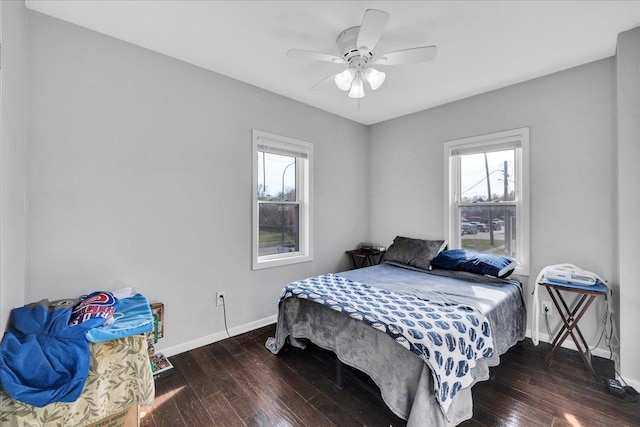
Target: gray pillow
[(414, 252)]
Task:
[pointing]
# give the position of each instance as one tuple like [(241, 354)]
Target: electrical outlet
[(547, 308), (220, 298)]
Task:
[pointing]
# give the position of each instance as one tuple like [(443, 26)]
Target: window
[(281, 200), (487, 182)]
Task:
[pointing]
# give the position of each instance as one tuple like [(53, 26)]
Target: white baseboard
[(570, 345), (218, 336)]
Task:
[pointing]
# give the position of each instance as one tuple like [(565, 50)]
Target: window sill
[(259, 265)]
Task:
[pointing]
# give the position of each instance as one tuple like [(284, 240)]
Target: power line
[(481, 181)]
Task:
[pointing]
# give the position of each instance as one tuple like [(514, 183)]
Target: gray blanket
[(405, 381)]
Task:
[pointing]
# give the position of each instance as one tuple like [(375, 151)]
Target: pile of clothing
[(44, 354)]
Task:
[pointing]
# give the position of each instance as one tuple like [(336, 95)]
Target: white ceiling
[(481, 45)]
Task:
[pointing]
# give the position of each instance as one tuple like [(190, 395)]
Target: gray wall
[(139, 172), (12, 159), (573, 163), (628, 90)]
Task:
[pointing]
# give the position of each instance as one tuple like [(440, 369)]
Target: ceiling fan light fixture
[(357, 49), (357, 88), (343, 80), (374, 77)]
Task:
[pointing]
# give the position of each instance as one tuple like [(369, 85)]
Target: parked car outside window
[(468, 228)]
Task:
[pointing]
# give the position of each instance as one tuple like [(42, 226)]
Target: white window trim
[(451, 176), (304, 189)]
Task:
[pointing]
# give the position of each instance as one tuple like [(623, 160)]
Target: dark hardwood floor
[(238, 382)]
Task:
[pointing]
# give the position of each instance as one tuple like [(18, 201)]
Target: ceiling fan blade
[(371, 29), (322, 83), (317, 56), (406, 56)]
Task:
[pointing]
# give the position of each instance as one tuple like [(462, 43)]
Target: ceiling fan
[(357, 48)]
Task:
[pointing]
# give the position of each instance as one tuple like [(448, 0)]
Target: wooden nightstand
[(365, 258)]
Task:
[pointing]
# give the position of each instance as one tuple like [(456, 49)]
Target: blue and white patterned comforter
[(449, 337)]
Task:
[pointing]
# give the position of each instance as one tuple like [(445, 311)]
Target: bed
[(407, 382)]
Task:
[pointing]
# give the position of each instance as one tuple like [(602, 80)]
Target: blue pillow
[(475, 262)]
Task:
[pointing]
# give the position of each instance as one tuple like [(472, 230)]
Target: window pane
[(477, 234), (276, 177), (497, 166), (278, 228)]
